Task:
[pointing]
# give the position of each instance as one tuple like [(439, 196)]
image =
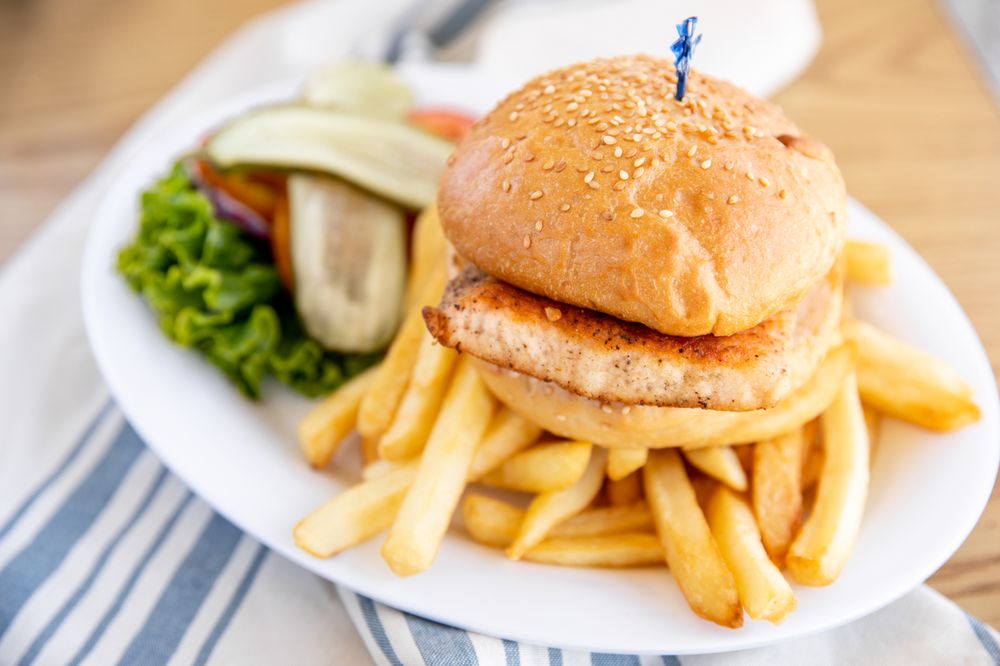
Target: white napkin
[(105, 556)]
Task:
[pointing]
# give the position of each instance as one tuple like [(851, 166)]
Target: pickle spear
[(391, 159), (349, 260)]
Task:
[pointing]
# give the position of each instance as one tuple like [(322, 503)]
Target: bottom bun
[(568, 415)]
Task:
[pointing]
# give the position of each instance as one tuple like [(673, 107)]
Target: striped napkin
[(106, 557)]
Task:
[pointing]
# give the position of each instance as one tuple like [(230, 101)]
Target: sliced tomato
[(281, 241), (251, 190), (446, 123)]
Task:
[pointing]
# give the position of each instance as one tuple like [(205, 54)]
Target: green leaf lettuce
[(215, 289)]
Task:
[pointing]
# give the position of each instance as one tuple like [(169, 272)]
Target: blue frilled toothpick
[(683, 49)]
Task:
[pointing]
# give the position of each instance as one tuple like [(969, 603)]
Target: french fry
[(776, 490), (427, 254), (355, 515), (819, 552), (507, 434), (491, 521), (377, 468), (606, 520), (420, 525), (721, 463), (392, 376), (326, 426), (495, 522), (624, 491), (908, 383), (610, 550), (419, 406), (622, 461), (873, 423), (379, 405), (550, 509), (543, 468), (763, 591), (691, 551), (868, 263)]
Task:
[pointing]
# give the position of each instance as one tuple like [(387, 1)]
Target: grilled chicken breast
[(603, 358)]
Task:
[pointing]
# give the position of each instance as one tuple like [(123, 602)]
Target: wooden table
[(893, 92)]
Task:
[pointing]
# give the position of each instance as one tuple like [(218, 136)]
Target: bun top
[(592, 186)]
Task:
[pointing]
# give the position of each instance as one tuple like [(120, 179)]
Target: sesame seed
[(637, 212), (623, 174), (527, 242), (606, 409), (749, 176), (548, 164), (505, 185), (594, 185), (589, 177), (537, 194), (619, 186), (560, 165), (706, 164), (597, 155), (666, 213), (692, 150), (764, 182), (782, 194), (508, 158), (553, 314), (565, 207), (618, 151), (571, 122), (505, 143), (639, 162), (728, 166), (572, 106), (733, 199), (513, 116), (529, 156), (638, 172), (608, 140), (637, 137), (549, 89), (626, 409)]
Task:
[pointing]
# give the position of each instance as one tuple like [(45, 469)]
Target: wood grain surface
[(893, 91)]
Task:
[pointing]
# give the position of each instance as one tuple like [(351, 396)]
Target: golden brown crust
[(560, 190), (603, 358)]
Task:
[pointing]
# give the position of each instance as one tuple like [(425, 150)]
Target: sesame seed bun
[(593, 187)]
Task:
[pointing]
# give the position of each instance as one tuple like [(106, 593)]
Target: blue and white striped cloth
[(106, 557)]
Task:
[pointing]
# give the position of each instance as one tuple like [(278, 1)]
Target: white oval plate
[(927, 491)]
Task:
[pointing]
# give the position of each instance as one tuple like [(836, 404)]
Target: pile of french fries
[(733, 523)]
